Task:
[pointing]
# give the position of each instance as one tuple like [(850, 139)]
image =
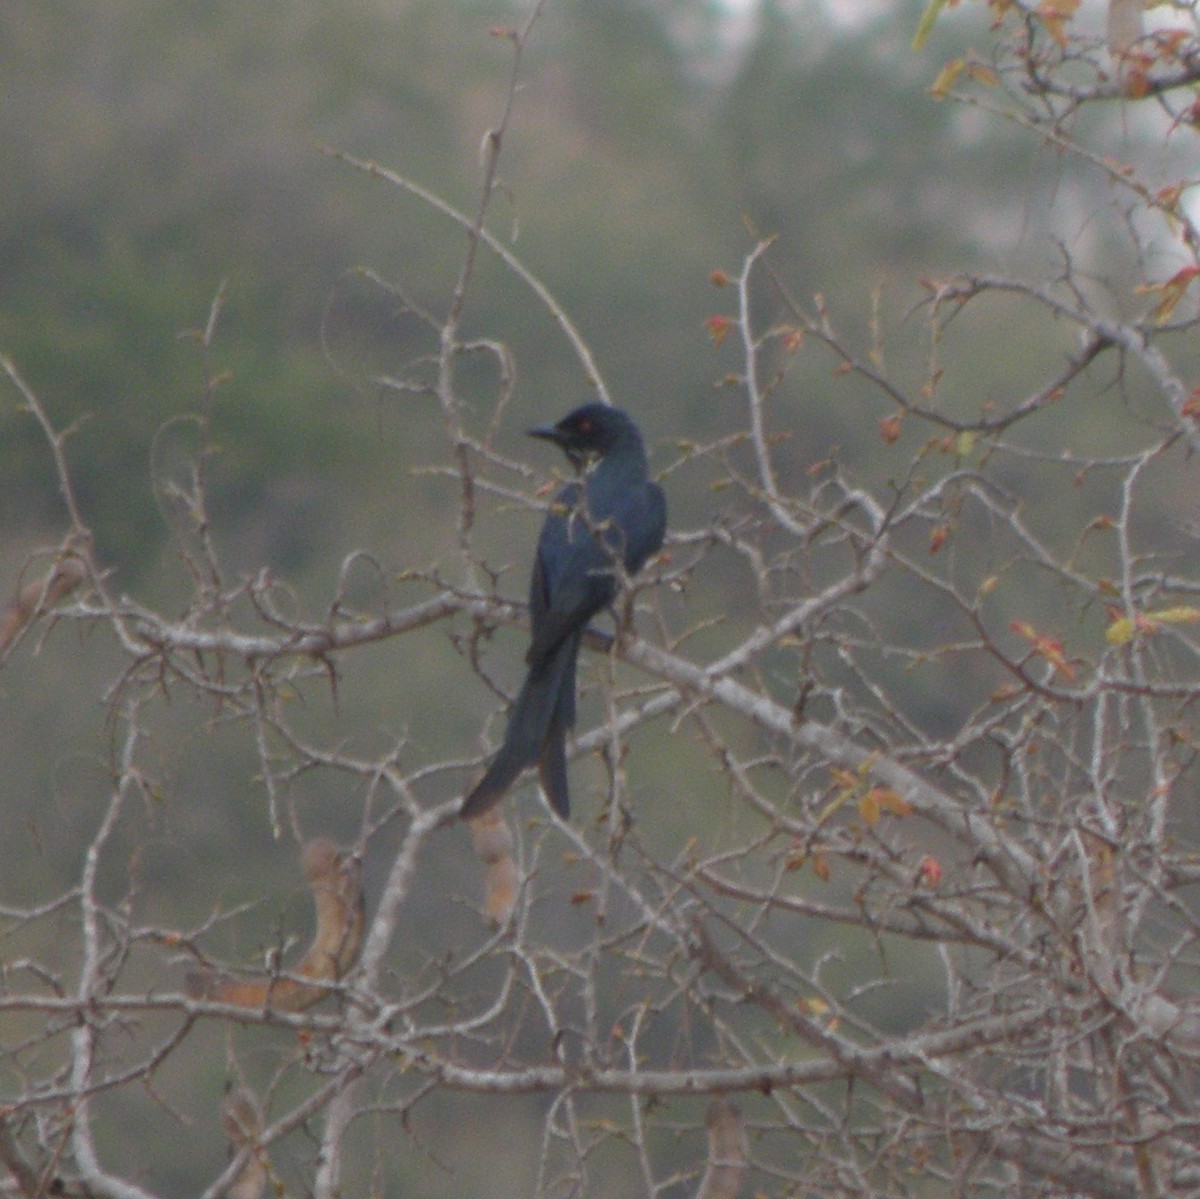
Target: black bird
[(617, 515)]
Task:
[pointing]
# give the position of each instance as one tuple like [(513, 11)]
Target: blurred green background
[(152, 153)]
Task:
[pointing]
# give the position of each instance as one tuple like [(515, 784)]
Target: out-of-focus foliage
[(148, 153)]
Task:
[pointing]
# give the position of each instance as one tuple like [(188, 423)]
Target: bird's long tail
[(537, 724), (552, 761)]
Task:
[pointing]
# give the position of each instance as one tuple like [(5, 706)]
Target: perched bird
[(610, 522)]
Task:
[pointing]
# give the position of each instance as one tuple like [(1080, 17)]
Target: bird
[(599, 528)]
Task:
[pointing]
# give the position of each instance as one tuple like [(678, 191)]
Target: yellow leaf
[(946, 78), (843, 778), (928, 20), (1170, 196), (892, 801), (868, 808), (1170, 292), (1055, 14), (1185, 614), (1120, 632), (982, 73)]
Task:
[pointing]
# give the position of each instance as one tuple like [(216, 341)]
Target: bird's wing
[(572, 576), (645, 525), (553, 549)]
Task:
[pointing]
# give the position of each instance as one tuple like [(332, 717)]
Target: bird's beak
[(555, 434)]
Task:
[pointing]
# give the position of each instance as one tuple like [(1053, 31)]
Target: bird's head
[(592, 431)]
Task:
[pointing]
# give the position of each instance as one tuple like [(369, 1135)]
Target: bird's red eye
[(585, 425)]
